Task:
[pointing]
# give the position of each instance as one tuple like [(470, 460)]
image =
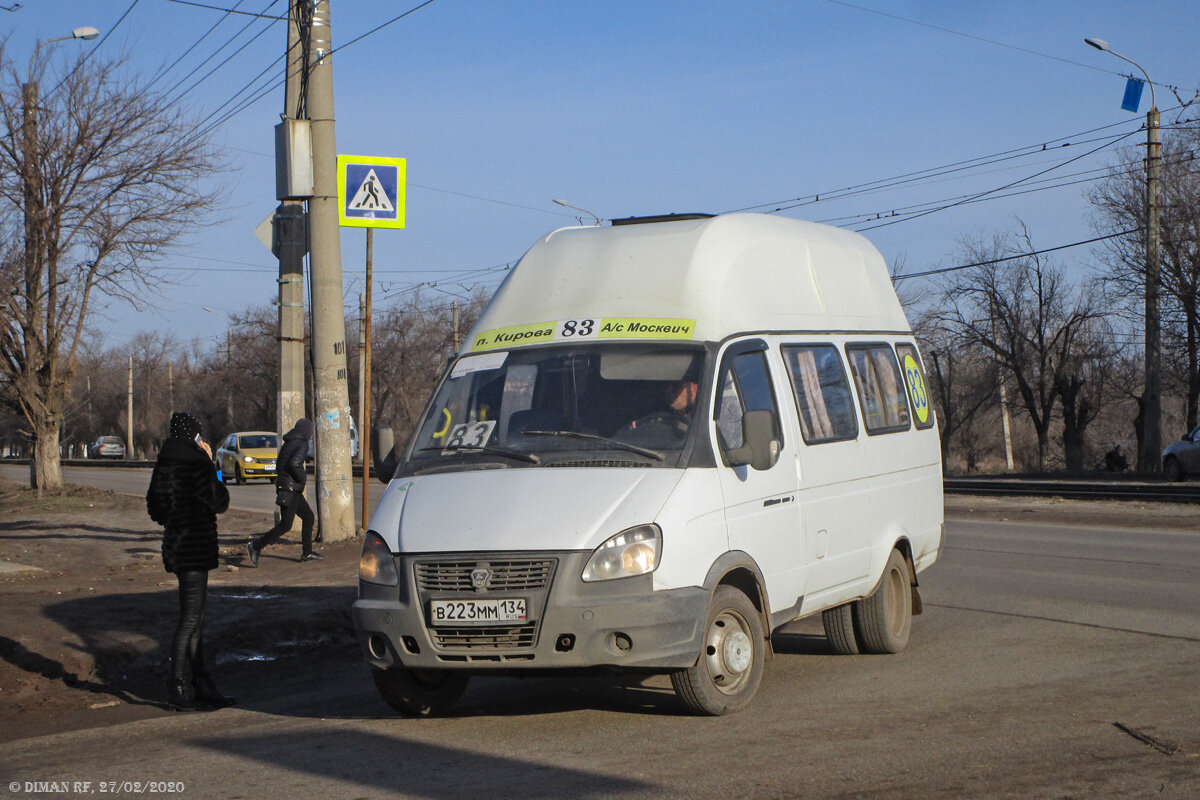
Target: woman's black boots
[(181, 696)]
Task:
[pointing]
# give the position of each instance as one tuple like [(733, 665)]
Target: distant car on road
[(107, 447), (1182, 458), (247, 454), (353, 443)]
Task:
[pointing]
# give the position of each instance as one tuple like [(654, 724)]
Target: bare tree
[(1025, 312), (1120, 202), (104, 175), (962, 382), (412, 342), (1085, 381)]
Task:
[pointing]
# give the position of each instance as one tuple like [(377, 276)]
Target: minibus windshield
[(616, 404)]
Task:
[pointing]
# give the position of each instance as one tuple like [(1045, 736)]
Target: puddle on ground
[(247, 595), (230, 658), (243, 655)]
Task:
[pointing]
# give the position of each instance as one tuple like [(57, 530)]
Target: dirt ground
[(88, 611)]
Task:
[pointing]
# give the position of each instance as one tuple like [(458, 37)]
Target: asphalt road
[(1052, 661), (258, 497)]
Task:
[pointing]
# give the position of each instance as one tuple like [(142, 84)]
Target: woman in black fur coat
[(185, 498)]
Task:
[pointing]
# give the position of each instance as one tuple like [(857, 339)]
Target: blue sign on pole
[(1133, 95), (371, 192)]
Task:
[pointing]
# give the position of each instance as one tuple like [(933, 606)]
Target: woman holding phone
[(185, 498)]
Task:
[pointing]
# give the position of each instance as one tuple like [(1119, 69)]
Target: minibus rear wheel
[(885, 616), (730, 667), (839, 629), (419, 692)]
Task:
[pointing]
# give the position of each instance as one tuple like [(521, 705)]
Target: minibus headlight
[(376, 564), (631, 552), (248, 459)]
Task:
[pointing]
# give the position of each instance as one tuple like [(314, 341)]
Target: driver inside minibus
[(679, 399)]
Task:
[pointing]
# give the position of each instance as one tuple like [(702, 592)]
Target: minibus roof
[(695, 278)]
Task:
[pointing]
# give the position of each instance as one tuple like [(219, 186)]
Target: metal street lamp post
[(1150, 457)]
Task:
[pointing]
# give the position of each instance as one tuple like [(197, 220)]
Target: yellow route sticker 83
[(566, 330), (916, 385)]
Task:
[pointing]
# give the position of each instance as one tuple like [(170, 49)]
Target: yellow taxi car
[(246, 455)]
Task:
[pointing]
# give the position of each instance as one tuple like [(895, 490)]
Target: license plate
[(477, 612), (269, 465)]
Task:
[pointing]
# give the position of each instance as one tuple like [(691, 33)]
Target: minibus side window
[(745, 385), (880, 390), (918, 387), (822, 393)]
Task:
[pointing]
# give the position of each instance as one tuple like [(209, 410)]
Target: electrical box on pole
[(293, 160)]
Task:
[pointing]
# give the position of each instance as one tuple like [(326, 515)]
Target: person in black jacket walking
[(185, 498), (289, 494)]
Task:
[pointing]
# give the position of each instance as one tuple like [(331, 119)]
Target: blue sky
[(627, 108)]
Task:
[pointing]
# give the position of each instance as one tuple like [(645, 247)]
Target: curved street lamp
[(1150, 457)]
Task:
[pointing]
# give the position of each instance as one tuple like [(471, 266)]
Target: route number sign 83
[(578, 329)]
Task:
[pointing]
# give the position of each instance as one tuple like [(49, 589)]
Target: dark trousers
[(290, 504), (187, 649)]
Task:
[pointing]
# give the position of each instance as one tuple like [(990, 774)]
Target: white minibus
[(664, 439)]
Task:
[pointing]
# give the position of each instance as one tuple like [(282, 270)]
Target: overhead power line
[(280, 81), (917, 176), (986, 41), (161, 73), (233, 10), (224, 62), (989, 262), (978, 195), (92, 50)]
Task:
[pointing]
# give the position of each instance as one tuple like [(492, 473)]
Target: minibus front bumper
[(570, 623)]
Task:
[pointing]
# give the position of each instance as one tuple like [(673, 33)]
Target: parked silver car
[(107, 447), (1183, 457)]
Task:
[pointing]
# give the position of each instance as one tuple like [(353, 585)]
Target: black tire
[(883, 620), (1173, 470), (419, 692), (839, 630), (730, 668), (238, 478)]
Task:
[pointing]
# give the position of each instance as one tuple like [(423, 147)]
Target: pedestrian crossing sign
[(370, 191)]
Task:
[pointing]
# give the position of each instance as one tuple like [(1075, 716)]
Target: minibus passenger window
[(880, 390), (822, 393)]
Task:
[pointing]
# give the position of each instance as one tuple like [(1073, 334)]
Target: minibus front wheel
[(419, 692), (730, 667)]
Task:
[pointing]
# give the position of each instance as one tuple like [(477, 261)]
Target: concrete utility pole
[(291, 244), (129, 411), (229, 376), (1152, 427), (1150, 456), (331, 401)]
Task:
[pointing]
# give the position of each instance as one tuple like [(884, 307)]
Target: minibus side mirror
[(383, 453), (760, 447)]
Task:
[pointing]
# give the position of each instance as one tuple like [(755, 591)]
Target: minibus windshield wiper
[(633, 448), (492, 451)]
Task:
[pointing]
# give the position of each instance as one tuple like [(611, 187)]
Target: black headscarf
[(184, 426), (302, 430)]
